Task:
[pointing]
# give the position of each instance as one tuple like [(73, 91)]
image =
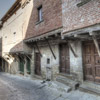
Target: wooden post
[(93, 34), (50, 48), (38, 48), (96, 44), (73, 51)]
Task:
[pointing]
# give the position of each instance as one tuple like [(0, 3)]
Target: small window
[(40, 14), (48, 61)]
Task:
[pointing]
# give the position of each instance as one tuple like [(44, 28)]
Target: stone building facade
[(13, 33), (81, 22), (45, 36), (60, 39)]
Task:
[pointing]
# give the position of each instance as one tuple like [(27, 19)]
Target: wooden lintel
[(50, 48), (38, 48), (81, 36), (93, 33), (73, 51), (96, 44), (28, 57)]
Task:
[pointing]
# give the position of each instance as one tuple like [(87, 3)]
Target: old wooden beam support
[(81, 36), (73, 51), (95, 42), (83, 2), (38, 49), (50, 48), (28, 57)]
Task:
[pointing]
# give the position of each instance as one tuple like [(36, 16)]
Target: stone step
[(69, 82), (60, 86), (90, 87), (72, 77)]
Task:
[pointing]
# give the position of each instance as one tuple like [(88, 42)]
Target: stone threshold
[(90, 87), (68, 81)]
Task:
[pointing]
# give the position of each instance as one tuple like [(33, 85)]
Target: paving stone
[(18, 88)]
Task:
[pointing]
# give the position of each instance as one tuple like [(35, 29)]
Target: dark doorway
[(64, 58), (21, 65), (28, 66), (37, 64)]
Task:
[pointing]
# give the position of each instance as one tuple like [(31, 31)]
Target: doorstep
[(90, 87), (68, 80)]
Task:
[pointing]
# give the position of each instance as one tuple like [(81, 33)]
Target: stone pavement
[(21, 88)]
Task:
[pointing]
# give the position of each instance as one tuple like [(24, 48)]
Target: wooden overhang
[(82, 33), (88, 33), (45, 37), (21, 54), (49, 34), (11, 11)]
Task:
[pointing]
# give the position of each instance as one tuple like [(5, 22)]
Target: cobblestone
[(21, 88)]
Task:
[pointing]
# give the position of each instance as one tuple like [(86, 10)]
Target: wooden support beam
[(81, 36), (28, 57), (96, 44), (73, 51), (50, 48), (83, 2), (38, 48), (21, 57)]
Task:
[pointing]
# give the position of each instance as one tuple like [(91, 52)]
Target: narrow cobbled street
[(21, 88)]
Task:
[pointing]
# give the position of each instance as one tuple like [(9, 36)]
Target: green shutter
[(28, 66), (21, 66)]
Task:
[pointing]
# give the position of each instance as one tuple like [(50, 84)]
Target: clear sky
[(4, 6)]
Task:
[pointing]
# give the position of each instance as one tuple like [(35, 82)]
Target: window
[(40, 14)]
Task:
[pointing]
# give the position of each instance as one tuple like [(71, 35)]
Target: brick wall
[(52, 17), (78, 17)]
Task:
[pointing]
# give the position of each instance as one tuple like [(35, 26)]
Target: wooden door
[(37, 64), (91, 62), (21, 65), (64, 59)]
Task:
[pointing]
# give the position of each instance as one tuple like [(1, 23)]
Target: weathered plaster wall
[(54, 63), (13, 33), (76, 67), (14, 29)]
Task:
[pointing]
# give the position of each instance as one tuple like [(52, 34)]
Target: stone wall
[(76, 67), (75, 17), (54, 63)]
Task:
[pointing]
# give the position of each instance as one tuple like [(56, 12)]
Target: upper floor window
[(40, 14)]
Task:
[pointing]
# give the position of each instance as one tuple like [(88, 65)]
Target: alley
[(21, 88)]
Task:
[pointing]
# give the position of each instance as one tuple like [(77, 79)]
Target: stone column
[(32, 64)]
